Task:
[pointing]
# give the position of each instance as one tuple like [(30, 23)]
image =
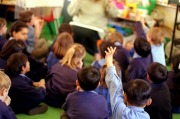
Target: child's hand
[(7, 100), (109, 56), (42, 83)]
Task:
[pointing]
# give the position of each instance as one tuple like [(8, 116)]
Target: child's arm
[(115, 85)]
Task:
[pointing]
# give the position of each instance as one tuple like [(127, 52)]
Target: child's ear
[(3, 92), (23, 68), (149, 79), (77, 83), (125, 98), (149, 102)]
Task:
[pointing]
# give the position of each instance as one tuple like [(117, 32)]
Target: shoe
[(38, 110)]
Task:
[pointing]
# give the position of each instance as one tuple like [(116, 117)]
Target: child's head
[(5, 84), (155, 36), (103, 73), (63, 42), (116, 37), (65, 27), (176, 63), (129, 45), (17, 64), (74, 56), (157, 73), (88, 78), (142, 47), (12, 46), (138, 93), (103, 47), (27, 17), (3, 27), (19, 30)]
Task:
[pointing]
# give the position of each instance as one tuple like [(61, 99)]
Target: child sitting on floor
[(3, 29), (137, 94), (5, 111)]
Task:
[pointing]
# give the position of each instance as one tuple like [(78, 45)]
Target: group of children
[(117, 86)]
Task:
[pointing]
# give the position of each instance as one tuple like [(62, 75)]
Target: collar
[(136, 55)]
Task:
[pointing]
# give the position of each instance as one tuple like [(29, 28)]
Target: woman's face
[(21, 35)]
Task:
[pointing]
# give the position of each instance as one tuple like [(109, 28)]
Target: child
[(3, 29), (23, 87), (103, 46), (36, 46), (63, 42), (62, 76), (137, 93), (121, 54), (85, 103), (10, 47), (142, 57), (102, 89), (173, 83), (5, 111), (18, 31), (160, 108), (156, 38)]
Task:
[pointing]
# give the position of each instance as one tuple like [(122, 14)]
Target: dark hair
[(138, 92), (103, 47), (142, 47), (25, 16), (88, 78), (157, 73), (12, 46), (15, 63), (65, 27), (17, 26)]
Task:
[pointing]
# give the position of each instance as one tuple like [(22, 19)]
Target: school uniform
[(99, 63), (24, 96), (139, 65), (51, 60), (160, 107), (85, 105), (6, 112), (2, 63), (2, 41), (61, 82)]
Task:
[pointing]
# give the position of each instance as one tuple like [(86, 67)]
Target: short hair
[(142, 47), (88, 78), (176, 63), (5, 81), (116, 37), (2, 23), (25, 16), (12, 46), (157, 73), (103, 73), (138, 92), (73, 56), (17, 26), (103, 47), (63, 42), (15, 63), (156, 35), (65, 27)]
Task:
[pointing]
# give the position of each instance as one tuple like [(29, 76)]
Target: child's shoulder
[(3, 106)]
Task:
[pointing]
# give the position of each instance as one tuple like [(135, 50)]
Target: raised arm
[(114, 84)]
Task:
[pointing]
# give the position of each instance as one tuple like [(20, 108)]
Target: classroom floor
[(54, 113)]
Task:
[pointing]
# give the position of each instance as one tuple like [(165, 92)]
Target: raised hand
[(109, 56)]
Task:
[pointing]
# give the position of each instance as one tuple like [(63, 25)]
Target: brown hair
[(156, 35), (63, 43), (103, 73), (73, 56), (5, 81), (25, 16), (65, 27), (2, 23), (116, 37)]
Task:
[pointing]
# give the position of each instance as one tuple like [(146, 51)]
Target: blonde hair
[(158, 34), (63, 43), (73, 56), (5, 81), (116, 37)]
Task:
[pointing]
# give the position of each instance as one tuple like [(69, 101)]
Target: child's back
[(86, 103), (160, 107)]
